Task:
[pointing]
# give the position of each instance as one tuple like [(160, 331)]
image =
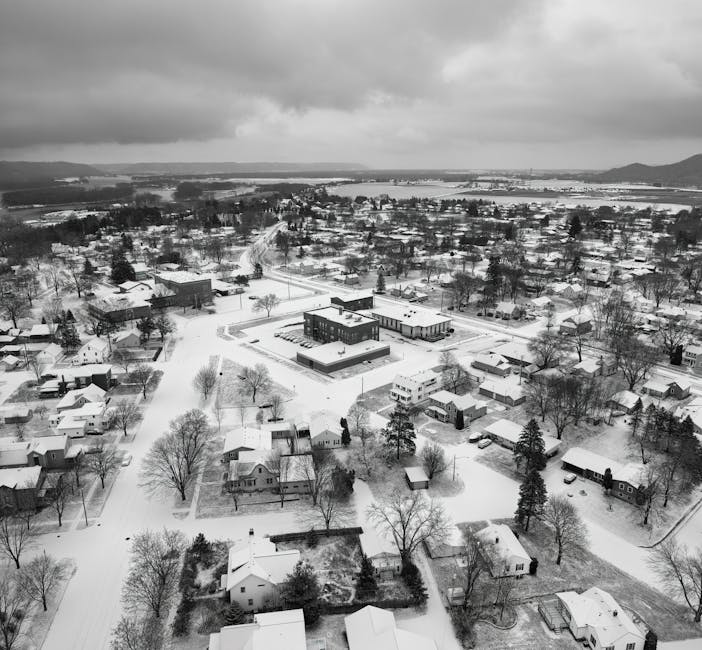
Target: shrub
[(181, 622), (209, 622), (233, 615), (412, 577)]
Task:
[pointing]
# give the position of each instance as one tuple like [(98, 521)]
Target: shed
[(416, 478)]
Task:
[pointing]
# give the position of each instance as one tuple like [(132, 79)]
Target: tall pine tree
[(529, 450), (399, 434), (366, 584), (301, 591), (532, 497)]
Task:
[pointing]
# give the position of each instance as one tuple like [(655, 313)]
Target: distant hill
[(197, 169), (685, 172), (14, 175)]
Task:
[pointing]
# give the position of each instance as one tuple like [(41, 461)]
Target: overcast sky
[(386, 83)]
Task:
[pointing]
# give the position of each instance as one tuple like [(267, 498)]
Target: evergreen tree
[(399, 434), (676, 356), (530, 448), (88, 268), (608, 481), (345, 437), (493, 275), (532, 498), (380, 284), (576, 226), (460, 421), (122, 270), (234, 615), (68, 336), (366, 584), (301, 590), (635, 418)]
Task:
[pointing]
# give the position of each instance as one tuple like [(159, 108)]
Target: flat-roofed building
[(337, 355), (190, 289), (412, 322), (354, 301), (329, 324)]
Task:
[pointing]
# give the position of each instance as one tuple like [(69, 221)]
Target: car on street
[(569, 478), (252, 297), (485, 442), (475, 436), (126, 459)]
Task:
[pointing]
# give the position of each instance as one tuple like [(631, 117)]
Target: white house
[(503, 552), (50, 354), (372, 628), (254, 571), (507, 433), (76, 398), (692, 356), (95, 351), (596, 617), (91, 417), (410, 389), (244, 439), (383, 554), (270, 631), (325, 430)]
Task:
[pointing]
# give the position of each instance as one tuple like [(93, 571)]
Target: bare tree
[(165, 466), (635, 360), (279, 465), (153, 570), (674, 334), (34, 366), (329, 505), (16, 536), (13, 608), (205, 380), (41, 411), (537, 402), (126, 414), (434, 459), (547, 348), (359, 418), (504, 587), (57, 487), (474, 566), (234, 490), (192, 432), (102, 462), (368, 456), (453, 374), (52, 310), (277, 406), (560, 393), (409, 521), (137, 633), (123, 358), (55, 278), (255, 379), (14, 304), (39, 577), (569, 531), (680, 569), (218, 411), (266, 303), (650, 479), (141, 375)]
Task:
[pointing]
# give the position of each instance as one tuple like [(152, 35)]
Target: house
[(254, 471), (624, 400), (626, 478), (680, 388), (502, 551), (383, 554), (692, 356), (656, 388), (416, 478), (376, 629), (445, 406), (576, 324), (493, 363), (19, 488), (120, 308), (254, 570), (244, 439), (508, 311), (589, 367), (50, 354), (95, 351), (410, 389), (97, 374), (329, 324), (413, 323), (75, 399), (503, 391), (125, 340), (325, 430), (595, 616), (91, 417), (53, 452), (284, 630), (10, 362), (518, 354), (15, 414), (567, 291), (507, 433)]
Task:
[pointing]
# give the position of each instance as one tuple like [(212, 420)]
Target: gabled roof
[(372, 628)]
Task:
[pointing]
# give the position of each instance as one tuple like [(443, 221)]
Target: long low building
[(337, 355), (413, 323), (506, 433)]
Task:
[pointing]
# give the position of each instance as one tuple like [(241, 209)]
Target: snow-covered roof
[(372, 627), (20, 477), (269, 631), (416, 474), (499, 539), (247, 437)]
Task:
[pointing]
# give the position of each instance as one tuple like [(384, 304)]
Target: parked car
[(485, 442), (475, 436), (126, 459), (569, 478), (252, 297)]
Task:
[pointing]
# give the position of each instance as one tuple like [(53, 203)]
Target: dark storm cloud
[(129, 72)]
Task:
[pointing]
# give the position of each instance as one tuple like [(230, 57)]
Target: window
[(260, 470), (630, 646), (251, 602), (593, 642), (519, 567), (630, 489), (609, 647), (621, 486), (269, 481), (243, 590)]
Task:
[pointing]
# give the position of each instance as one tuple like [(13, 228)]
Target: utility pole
[(85, 512)]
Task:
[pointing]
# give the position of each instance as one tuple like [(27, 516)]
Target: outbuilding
[(416, 478)]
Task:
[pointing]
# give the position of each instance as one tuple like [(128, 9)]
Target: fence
[(350, 608), (332, 532)]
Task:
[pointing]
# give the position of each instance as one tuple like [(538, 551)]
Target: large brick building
[(190, 290), (330, 324)]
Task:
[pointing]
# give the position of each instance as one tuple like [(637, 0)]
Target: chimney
[(341, 311), (497, 540), (615, 612)]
